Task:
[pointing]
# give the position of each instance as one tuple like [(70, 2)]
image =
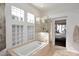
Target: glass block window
[(31, 27), (38, 20), (17, 35), (13, 35), (17, 13), (31, 32), (30, 18)]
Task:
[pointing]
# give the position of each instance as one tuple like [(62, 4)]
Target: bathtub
[(27, 49)]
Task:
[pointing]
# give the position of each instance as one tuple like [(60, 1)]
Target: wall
[(2, 27), (26, 8), (2, 30), (72, 17), (73, 20)]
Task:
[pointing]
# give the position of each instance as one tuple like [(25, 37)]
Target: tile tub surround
[(31, 52), (46, 51)]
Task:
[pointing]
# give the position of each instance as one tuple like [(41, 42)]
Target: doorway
[(60, 33)]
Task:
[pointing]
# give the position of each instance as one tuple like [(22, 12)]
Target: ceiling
[(55, 6), (43, 6)]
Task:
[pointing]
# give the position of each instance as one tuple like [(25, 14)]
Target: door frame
[(53, 27)]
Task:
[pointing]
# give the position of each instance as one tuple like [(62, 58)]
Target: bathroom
[(25, 28), (27, 31)]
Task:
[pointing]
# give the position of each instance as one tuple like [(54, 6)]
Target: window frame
[(30, 20), (17, 13)]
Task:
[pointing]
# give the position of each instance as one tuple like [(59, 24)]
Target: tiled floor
[(61, 51), (64, 53)]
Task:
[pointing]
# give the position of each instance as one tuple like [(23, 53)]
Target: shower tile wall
[(2, 28)]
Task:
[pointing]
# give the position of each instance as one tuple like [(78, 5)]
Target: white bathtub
[(27, 49)]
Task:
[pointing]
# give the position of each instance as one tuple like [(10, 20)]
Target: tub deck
[(35, 48)]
